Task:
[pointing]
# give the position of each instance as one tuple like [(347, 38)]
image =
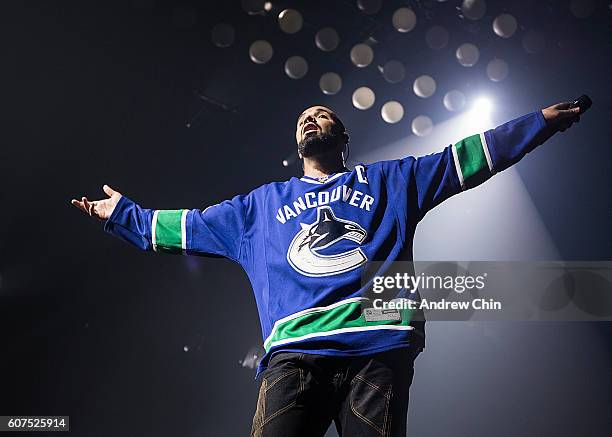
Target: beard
[(319, 144)]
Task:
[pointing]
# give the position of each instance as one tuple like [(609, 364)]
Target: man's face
[(316, 122)]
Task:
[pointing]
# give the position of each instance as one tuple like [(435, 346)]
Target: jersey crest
[(303, 254)]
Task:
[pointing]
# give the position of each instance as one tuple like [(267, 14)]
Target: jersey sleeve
[(431, 179), (217, 230)]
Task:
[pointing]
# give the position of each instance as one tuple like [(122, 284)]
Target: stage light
[(267, 6), (369, 7), (296, 67), (404, 20), (327, 39), (362, 55), (392, 112), (261, 51), (473, 9), (454, 100), (290, 159), (393, 71), (363, 98), (330, 83), (223, 35), (497, 70), (504, 25), (467, 54), (478, 118), (424, 86), (482, 106), (290, 21), (422, 126), (436, 37)]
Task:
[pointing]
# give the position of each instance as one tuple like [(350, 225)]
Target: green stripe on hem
[(335, 319), (168, 230), (472, 160)]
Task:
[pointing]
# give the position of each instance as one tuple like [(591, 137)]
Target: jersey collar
[(322, 180)]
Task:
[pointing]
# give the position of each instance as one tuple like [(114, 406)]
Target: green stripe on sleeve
[(168, 230), (472, 160)]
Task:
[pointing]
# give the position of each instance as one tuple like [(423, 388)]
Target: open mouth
[(310, 128)]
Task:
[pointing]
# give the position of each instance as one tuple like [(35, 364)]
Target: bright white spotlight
[(479, 117), (482, 106)]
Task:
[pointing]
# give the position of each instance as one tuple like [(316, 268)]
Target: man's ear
[(345, 138)]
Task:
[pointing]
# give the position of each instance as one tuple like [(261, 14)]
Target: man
[(304, 244)]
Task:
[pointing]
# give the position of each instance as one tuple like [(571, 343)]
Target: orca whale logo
[(303, 253)]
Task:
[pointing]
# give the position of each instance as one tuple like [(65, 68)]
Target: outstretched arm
[(217, 230), (469, 162)]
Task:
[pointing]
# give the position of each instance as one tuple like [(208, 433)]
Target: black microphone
[(583, 102)]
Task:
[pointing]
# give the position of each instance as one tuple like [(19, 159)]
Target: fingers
[(87, 205), (566, 113), (79, 205), (563, 105), (84, 205), (92, 209), (108, 190)]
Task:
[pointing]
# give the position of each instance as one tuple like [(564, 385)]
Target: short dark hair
[(339, 126)]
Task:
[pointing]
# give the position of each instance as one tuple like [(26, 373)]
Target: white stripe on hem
[(341, 331), (310, 310)]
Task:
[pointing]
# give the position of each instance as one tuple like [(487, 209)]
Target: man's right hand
[(101, 209), (561, 116)]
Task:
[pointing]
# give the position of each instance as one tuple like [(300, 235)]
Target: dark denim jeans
[(301, 394)]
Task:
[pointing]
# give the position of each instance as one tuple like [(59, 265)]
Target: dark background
[(128, 343)]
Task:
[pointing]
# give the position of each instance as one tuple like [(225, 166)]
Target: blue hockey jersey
[(304, 243)]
